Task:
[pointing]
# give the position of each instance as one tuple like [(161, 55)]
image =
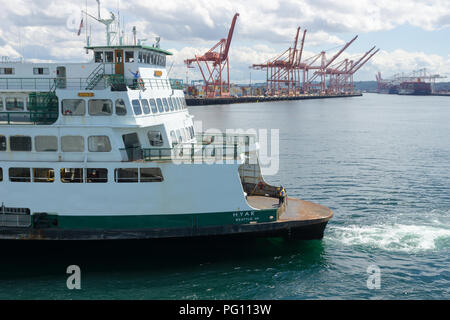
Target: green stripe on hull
[(166, 221)]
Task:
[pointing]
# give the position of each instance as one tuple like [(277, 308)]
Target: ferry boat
[(107, 150)]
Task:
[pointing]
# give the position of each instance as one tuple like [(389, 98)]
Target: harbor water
[(380, 162)]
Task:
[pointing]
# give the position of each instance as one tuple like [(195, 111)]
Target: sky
[(411, 34)]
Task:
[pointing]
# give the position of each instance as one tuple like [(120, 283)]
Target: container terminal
[(419, 82), (288, 75)]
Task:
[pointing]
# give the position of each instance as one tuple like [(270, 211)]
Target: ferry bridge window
[(43, 175), (121, 109), (2, 143), (153, 58), (145, 106), (19, 175), (166, 105), (136, 107), (97, 175), (155, 138), (15, 104), (72, 144), (7, 71), (129, 56), (20, 143), (46, 143), (100, 107), (109, 57), (160, 105), (72, 175), (153, 105), (140, 57), (99, 144), (170, 104), (98, 57), (127, 175), (41, 71), (73, 107), (151, 175), (174, 102)]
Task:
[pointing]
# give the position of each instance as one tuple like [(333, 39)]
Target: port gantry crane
[(284, 70), (321, 70), (215, 61), (341, 75)]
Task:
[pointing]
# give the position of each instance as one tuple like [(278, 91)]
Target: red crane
[(215, 61), (282, 71)]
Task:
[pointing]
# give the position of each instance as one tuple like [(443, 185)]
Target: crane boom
[(230, 36), (294, 51), (340, 52), (299, 58), (363, 63)]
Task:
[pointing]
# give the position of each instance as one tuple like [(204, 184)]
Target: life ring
[(261, 185), (68, 112)]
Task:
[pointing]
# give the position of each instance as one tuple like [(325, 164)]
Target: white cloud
[(194, 26)]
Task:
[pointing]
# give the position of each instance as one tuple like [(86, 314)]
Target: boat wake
[(394, 237)]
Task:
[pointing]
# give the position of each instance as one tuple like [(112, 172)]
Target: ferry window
[(41, 71), (151, 175), (6, 70), (137, 107), (72, 144), (174, 102), (15, 104), (166, 105), (100, 107), (46, 143), (98, 57), (173, 136), (121, 109), (1, 174), (160, 105), (152, 59), (1, 103), (128, 175), (20, 143), (19, 175), (170, 104), (155, 138), (180, 137), (74, 107), (140, 57), (41, 175), (153, 105), (72, 175), (99, 144), (2, 143), (129, 56), (145, 106), (97, 175), (109, 57)]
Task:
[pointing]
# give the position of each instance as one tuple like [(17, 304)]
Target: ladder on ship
[(95, 77)]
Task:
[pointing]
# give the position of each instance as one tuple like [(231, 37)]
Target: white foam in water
[(395, 237)]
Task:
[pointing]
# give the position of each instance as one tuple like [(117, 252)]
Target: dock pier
[(231, 100)]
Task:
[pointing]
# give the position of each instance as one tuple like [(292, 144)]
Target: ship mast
[(106, 22)]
